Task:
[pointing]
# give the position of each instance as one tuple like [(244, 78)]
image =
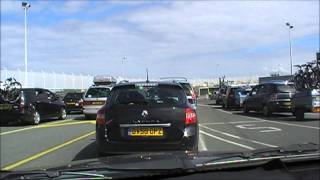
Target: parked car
[(269, 98), (153, 116), (34, 105), (94, 98), (234, 97), (220, 95), (191, 96), (306, 101), (240, 95), (74, 101)]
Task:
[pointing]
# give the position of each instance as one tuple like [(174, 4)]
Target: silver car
[(94, 98)]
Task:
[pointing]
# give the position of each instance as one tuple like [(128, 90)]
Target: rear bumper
[(14, 116), (91, 109), (281, 106), (113, 147), (189, 142), (74, 108)]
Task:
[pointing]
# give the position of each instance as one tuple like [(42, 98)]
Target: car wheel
[(36, 118), (63, 114), (299, 114), (223, 106), (245, 109), (266, 111)]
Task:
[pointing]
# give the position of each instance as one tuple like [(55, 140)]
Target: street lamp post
[(122, 65), (25, 6), (290, 27)]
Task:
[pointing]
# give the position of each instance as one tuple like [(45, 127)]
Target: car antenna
[(147, 75)]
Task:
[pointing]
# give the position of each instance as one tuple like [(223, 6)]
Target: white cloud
[(182, 38)]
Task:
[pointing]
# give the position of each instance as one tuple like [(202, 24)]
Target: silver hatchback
[(94, 98)]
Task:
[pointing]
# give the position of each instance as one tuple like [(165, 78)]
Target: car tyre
[(63, 114), (266, 111), (245, 109), (36, 118), (299, 114)]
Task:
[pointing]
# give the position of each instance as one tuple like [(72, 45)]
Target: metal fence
[(57, 81), (49, 80)]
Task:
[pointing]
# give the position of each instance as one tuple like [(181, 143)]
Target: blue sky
[(172, 38)]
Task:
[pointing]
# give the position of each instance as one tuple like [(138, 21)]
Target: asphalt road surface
[(55, 143)]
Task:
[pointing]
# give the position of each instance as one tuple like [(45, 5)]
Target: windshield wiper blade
[(285, 150), (32, 174)]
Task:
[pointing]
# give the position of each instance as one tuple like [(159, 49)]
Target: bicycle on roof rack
[(11, 90)]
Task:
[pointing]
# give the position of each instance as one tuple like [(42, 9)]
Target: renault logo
[(144, 113)]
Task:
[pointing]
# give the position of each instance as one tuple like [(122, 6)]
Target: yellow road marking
[(40, 154), (46, 126), (63, 121)]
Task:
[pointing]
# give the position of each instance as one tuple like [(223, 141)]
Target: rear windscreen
[(156, 95), (97, 93), (187, 88), (285, 88), (73, 96)]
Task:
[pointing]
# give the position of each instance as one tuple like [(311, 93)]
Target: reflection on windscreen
[(73, 96), (97, 93), (187, 88), (150, 96), (285, 88)]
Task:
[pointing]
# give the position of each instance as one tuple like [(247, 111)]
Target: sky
[(195, 39)]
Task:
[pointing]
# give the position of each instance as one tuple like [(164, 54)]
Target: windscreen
[(73, 96), (97, 93), (157, 95), (285, 88), (187, 88)]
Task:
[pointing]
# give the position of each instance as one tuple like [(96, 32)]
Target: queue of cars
[(270, 97)]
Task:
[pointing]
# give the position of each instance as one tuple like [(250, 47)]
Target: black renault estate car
[(34, 105), (146, 116)]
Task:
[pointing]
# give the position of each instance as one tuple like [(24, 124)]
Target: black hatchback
[(146, 116), (34, 105), (73, 101), (269, 98)]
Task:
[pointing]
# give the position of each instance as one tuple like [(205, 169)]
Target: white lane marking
[(233, 122), (238, 137), (227, 141), (203, 146), (283, 123), (254, 127), (221, 110), (206, 105)]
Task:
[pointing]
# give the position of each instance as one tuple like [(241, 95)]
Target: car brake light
[(86, 102), (21, 105), (191, 117), (101, 120)]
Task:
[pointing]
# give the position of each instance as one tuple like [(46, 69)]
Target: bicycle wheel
[(14, 91)]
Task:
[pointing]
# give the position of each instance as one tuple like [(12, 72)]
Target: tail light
[(81, 102), (101, 119), (274, 97), (87, 102), (191, 116), (21, 105)]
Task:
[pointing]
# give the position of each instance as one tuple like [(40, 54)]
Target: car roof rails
[(174, 79)]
